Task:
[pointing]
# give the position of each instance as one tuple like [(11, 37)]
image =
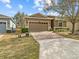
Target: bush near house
[(24, 30), (19, 48), (9, 31)]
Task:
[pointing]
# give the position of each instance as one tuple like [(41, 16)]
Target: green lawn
[(19, 48)]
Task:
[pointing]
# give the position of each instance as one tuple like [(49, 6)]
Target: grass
[(19, 48), (68, 35)]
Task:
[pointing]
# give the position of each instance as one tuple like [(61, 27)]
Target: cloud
[(40, 9), (5, 1), (48, 1), (53, 13), (38, 4), (30, 14), (8, 6), (20, 6)]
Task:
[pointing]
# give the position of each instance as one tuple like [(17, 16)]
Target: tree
[(19, 19), (19, 22), (67, 8)]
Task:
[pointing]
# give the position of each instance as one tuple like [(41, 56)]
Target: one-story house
[(6, 24), (38, 22)]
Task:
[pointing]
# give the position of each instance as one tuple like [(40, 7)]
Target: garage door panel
[(2, 27), (36, 27)]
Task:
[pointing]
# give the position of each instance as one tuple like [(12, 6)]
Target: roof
[(37, 15), (4, 16), (51, 16)]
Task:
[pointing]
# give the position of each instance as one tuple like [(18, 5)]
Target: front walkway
[(53, 46)]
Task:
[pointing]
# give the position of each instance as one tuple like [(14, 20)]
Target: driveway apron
[(53, 46)]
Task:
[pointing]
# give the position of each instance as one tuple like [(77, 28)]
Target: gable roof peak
[(38, 15)]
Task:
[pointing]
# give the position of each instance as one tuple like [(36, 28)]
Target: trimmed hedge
[(24, 30)]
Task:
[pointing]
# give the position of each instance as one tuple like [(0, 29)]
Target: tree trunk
[(73, 28)]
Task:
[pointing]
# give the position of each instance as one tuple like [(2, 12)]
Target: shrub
[(51, 29), (9, 31), (24, 30), (61, 29)]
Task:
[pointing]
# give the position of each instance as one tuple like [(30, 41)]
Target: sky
[(29, 7), (11, 7)]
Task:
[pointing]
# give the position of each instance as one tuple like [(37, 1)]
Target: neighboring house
[(39, 22), (6, 23)]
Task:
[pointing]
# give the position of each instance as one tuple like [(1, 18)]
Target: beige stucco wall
[(69, 25), (60, 19), (56, 23), (77, 26)]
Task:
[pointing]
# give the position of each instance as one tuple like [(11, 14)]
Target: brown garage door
[(38, 26)]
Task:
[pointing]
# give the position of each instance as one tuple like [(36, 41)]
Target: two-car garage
[(38, 26)]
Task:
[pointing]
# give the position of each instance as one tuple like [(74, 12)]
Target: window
[(60, 24)]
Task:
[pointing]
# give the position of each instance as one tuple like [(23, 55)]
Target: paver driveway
[(53, 46)]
